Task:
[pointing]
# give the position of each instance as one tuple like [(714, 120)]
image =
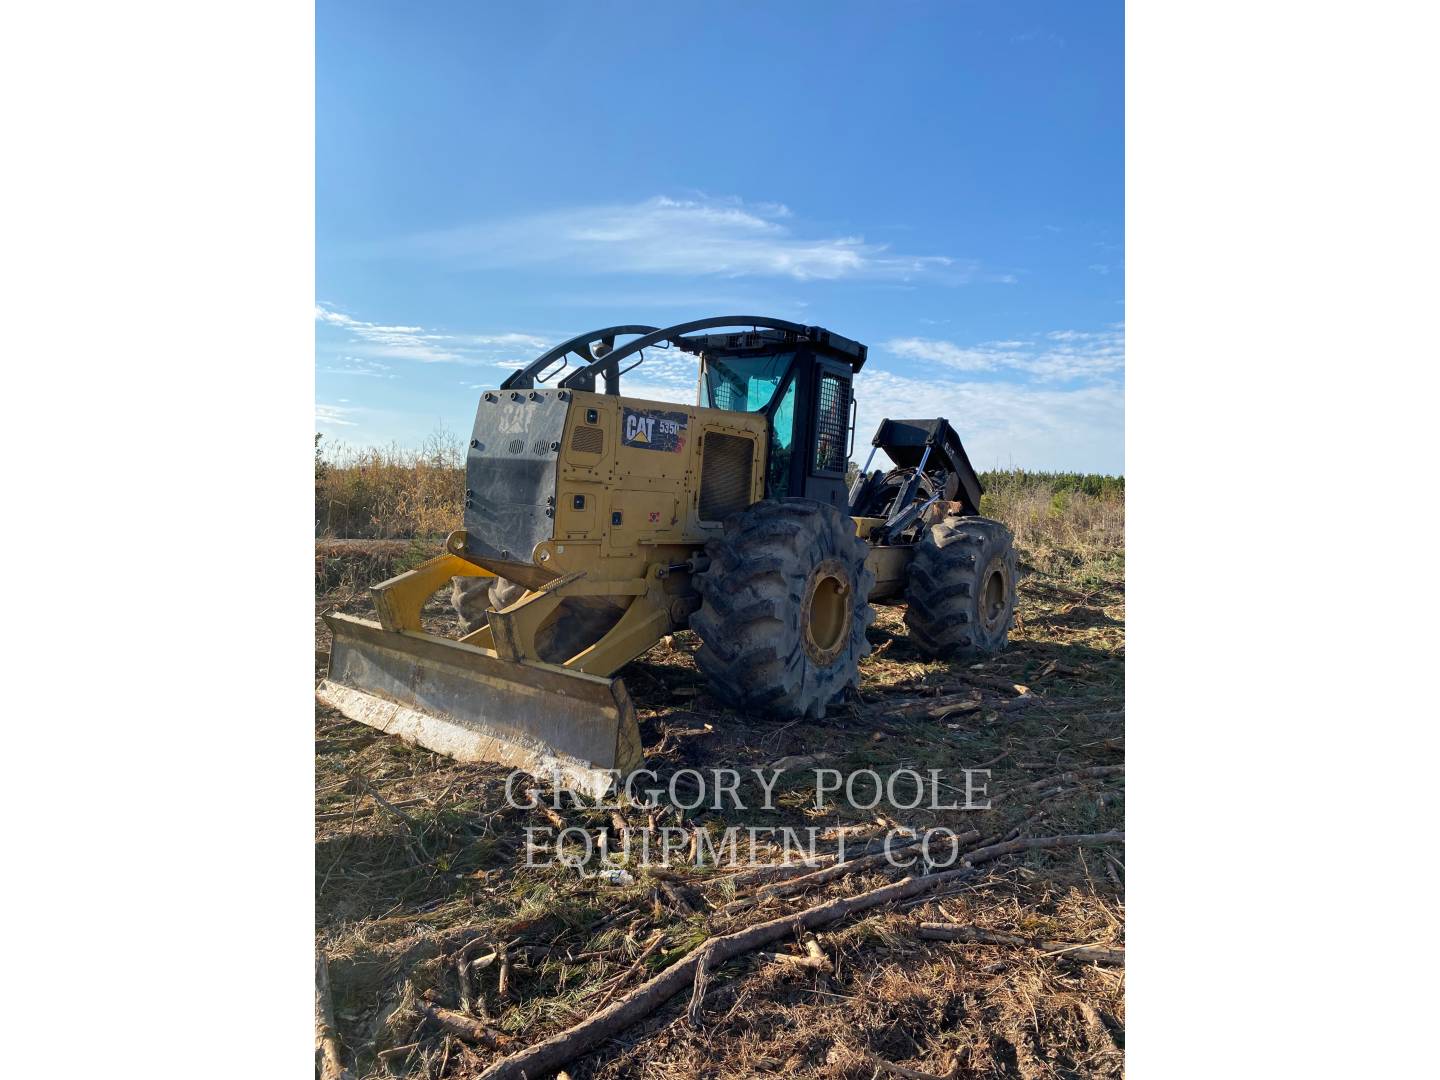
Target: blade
[(465, 702)]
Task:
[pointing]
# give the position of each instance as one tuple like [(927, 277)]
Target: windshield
[(745, 383)]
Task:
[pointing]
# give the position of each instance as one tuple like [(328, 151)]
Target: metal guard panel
[(510, 472)]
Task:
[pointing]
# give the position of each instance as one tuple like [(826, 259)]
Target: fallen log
[(933, 707), (327, 1041), (464, 1027), (564, 1046), (975, 935), (770, 873)]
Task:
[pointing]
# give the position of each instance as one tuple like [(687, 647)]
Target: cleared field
[(421, 864)]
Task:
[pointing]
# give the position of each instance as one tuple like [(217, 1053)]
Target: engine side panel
[(564, 480), (630, 477)]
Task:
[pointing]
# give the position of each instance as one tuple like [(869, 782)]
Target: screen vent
[(588, 440), (725, 475), (832, 413)]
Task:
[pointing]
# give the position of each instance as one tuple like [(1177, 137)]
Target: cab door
[(831, 427)]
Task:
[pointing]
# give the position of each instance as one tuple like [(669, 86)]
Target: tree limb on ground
[(910, 1074), (818, 877), (327, 1041), (464, 1027), (564, 1046), (1009, 847), (1075, 775), (936, 931), (624, 976)]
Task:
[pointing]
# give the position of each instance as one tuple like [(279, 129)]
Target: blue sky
[(942, 181)]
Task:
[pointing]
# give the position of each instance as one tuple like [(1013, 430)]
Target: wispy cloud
[(1056, 356), (334, 415), (399, 342), (373, 341), (361, 366), (663, 235), (1003, 423)]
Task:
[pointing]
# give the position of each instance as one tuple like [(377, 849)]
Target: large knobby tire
[(784, 609), (960, 588)]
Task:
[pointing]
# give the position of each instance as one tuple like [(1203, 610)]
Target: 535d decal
[(654, 429)]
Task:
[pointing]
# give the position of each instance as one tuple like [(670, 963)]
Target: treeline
[(1098, 485)]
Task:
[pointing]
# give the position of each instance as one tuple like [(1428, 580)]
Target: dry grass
[(396, 899), (1059, 528), (393, 492)]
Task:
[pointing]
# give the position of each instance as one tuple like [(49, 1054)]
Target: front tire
[(960, 589), (785, 604), (473, 598)]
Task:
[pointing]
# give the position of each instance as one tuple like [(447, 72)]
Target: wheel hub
[(826, 612), (993, 596)]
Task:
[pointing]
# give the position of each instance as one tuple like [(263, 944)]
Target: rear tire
[(784, 610), (960, 589)]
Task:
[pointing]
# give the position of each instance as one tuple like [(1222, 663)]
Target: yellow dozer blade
[(470, 704)]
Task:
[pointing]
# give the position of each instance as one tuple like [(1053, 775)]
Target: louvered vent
[(588, 440), (725, 475)]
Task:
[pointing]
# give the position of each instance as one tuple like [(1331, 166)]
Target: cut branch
[(621, 979), (327, 1041), (820, 877), (975, 935), (462, 1026), (564, 1046), (1075, 775), (1009, 847)]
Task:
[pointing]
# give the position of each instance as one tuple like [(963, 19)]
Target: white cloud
[(334, 415), (361, 366), (528, 342), (662, 235), (944, 352), (1003, 424), (1060, 355), (375, 340)]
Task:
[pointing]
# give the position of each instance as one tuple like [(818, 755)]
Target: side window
[(782, 440), (832, 412)]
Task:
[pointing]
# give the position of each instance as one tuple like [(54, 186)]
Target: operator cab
[(802, 385), (798, 377)]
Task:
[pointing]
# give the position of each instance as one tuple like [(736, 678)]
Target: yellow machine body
[(635, 500)]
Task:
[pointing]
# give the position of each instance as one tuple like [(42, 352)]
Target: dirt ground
[(420, 865)]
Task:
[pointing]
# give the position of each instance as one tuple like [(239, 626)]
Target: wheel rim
[(993, 597), (826, 613)]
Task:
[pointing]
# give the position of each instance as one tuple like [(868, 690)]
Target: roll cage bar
[(764, 331)]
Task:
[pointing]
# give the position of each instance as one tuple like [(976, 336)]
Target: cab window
[(782, 441), (745, 383)]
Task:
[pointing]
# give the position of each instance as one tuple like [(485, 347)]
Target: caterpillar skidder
[(595, 524)]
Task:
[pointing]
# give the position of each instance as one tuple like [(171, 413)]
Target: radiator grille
[(725, 475), (831, 416), (588, 440)]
